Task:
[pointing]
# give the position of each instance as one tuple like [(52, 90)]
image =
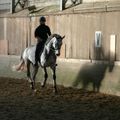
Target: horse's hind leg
[(45, 77), (34, 72), (54, 78), (28, 72)]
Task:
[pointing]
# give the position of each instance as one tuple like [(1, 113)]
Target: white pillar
[(62, 5), (5, 29), (12, 6), (112, 47)]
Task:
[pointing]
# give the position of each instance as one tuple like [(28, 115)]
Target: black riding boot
[(38, 51)]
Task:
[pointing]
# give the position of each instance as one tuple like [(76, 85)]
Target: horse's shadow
[(92, 74)]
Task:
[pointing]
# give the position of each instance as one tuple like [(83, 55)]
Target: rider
[(41, 33)]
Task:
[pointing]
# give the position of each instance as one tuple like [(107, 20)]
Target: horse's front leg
[(45, 77), (54, 78)]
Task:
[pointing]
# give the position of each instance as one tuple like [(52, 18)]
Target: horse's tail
[(18, 67), (21, 66)]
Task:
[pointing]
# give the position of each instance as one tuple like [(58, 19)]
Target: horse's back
[(29, 53)]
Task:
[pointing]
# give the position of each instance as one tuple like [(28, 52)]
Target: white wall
[(86, 1), (43, 2), (4, 4), (54, 2)]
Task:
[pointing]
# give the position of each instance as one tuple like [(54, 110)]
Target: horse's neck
[(45, 54), (47, 47)]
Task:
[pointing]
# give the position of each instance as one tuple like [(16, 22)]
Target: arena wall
[(81, 63), (72, 73), (79, 30), (93, 1)]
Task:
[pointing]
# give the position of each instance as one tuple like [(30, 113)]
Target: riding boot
[(39, 47), (36, 55)]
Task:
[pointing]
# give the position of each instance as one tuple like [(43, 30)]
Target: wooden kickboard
[(3, 47)]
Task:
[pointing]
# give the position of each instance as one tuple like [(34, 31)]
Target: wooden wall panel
[(17, 35), (1, 28), (79, 30), (3, 47)]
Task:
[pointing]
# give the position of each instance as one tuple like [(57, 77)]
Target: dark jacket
[(42, 31)]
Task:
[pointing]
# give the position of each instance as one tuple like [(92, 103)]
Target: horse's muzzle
[(57, 52)]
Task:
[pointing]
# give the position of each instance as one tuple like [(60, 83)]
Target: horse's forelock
[(57, 36)]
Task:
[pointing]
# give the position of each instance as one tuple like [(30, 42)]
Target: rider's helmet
[(42, 19)]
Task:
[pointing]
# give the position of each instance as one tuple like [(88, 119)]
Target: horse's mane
[(51, 36)]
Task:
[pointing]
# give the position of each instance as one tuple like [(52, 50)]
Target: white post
[(62, 5), (112, 47), (12, 6), (5, 29), (98, 39)]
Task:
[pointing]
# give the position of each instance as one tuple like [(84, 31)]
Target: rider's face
[(42, 22)]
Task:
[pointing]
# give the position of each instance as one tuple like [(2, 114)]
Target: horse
[(48, 58)]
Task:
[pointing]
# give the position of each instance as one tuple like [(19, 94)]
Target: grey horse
[(47, 59)]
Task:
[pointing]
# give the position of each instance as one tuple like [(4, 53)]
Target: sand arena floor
[(19, 102)]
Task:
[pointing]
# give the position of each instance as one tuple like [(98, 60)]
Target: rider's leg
[(37, 53)]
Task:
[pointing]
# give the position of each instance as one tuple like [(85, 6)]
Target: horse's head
[(57, 43)]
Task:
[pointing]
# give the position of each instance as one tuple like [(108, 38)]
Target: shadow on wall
[(94, 73)]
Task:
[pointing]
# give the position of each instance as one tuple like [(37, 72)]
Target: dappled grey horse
[(47, 59)]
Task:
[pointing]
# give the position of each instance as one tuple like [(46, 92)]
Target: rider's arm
[(48, 31)]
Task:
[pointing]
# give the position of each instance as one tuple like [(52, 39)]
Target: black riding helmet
[(42, 19)]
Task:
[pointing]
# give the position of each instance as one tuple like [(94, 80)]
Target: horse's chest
[(47, 60)]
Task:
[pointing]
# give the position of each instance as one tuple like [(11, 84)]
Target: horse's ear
[(63, 37)]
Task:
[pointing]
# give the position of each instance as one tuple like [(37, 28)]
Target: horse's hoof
[(29, 80), (35, 90), (55, 92), (31, 86), (42, 85)]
